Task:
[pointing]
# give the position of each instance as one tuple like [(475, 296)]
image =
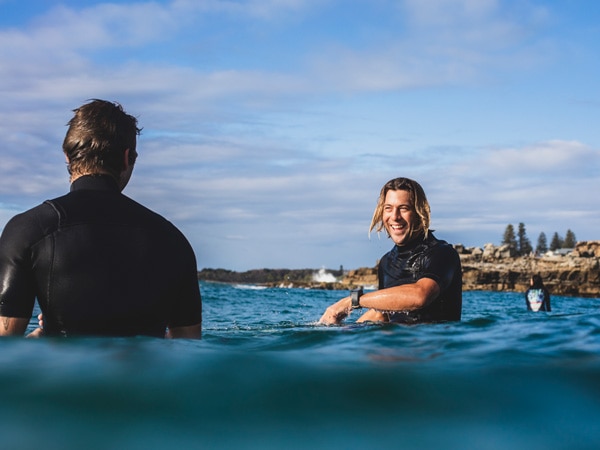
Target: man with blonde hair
[(420, 279)]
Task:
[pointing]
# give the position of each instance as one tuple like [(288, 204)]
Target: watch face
[(355, 298)]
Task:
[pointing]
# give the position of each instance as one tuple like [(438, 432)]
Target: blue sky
[(271, 125)]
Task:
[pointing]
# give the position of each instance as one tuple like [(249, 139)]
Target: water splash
[(322, 276)]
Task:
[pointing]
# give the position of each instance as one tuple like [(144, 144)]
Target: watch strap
[(355, 295)]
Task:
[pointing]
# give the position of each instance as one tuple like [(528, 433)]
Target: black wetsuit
[(538, 299), (99, 264), (425, 258)]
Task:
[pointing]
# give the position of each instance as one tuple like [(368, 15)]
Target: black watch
[(355, 295)]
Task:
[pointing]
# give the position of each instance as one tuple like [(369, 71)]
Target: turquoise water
[(265, 376)]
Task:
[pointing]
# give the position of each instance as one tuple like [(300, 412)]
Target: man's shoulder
[(30, 226), (153, 215), (432, 242), (156, 220), (440, 247), (41, 215), (429, 245)]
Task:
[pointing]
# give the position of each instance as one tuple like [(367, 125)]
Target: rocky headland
[(491, 268), (576, 273)]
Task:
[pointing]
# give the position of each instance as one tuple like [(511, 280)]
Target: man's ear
[(126, 159), (130, 157)]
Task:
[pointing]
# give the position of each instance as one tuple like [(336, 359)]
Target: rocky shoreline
[(490, 268), (494, 268), (574, 274)]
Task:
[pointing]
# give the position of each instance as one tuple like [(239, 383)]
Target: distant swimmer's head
[(403, 210), (536, 282), (101, 139)]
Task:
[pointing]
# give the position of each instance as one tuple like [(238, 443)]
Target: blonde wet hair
[(418, 201)]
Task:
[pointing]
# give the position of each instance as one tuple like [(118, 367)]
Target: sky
[(270, 126)]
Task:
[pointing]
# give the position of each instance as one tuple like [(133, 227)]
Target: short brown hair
[(417, 198), (98, 135)]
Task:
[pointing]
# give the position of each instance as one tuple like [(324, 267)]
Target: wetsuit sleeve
[(441, 264), (187, 309), (380, 277), (17, 284)]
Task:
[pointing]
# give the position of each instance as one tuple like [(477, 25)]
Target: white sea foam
[(249, 286), (322, 276)]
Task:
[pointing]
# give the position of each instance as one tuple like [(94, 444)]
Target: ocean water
[(266, 376)]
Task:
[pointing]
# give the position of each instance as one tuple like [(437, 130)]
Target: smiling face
[(403, 210), (399, 216)]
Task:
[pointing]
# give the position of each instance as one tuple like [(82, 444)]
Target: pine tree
[(524, 247), (556, 242), (509, 237), (542, 244), (570, 240)]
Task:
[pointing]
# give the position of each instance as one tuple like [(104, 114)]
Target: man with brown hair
[(420, 279), (99, 263)]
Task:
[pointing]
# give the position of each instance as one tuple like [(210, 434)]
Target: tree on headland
[(556, 242), (521, 244), (570, 240), (524, 245), (509, 237), (542, 244)]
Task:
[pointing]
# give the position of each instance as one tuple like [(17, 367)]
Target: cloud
[(486, 21), (270, 126), (554, 158), (547, 185), (443, 42), (60, 47)]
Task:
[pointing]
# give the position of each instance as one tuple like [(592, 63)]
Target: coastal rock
[(365, 277), (491, 268), (499, 269), (587, 249)]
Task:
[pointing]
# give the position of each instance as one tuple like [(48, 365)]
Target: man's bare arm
[(406, 297), (13, 326), (189, 332)]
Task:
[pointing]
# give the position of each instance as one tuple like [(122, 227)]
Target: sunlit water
[(266, 376)]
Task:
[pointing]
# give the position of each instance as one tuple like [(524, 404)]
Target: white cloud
[(261, 9), (552, 157), (546, 160), (55, 54), (289, 158)]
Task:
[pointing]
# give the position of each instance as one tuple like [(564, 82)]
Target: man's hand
[(38, 332), (337, 312)]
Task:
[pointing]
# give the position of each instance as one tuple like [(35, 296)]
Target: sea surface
[(266, 376)]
